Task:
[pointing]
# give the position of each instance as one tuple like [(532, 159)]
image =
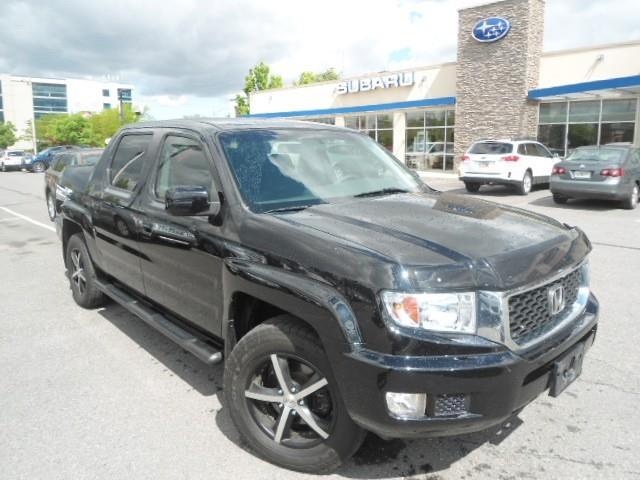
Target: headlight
[(441, 312)]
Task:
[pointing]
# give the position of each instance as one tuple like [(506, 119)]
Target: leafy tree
[(259, 78), (106, 123), (7, 134), (312, 77)]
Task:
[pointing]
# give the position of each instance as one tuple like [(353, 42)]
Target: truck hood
[(445, 240)]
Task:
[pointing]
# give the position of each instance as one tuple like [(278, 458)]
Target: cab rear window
[(491, 148)]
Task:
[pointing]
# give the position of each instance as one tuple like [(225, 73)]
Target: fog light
[(407, 405)]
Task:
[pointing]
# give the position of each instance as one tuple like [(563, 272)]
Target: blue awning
[(427, 102), (597, 88)]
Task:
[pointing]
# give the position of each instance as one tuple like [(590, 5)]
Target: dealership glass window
[(377, 126), (49, 98), (564, 126), (429, 139), (327, 120)]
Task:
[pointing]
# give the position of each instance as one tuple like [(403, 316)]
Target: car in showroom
[(40, 162), (607, 172), (343, 294), (12, 160), (53, 195), (520, 164)]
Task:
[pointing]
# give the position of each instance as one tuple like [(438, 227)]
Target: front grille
[(530, 312), (450, 404)]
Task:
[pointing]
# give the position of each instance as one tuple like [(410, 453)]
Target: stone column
[(493, 78)]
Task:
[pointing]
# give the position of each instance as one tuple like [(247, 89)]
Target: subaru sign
[(491, 29), (392, 80)]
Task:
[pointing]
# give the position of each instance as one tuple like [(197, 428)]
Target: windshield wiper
[(293, 208), (382, 191)]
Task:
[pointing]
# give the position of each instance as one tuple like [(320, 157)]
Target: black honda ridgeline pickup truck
[(343, 293)]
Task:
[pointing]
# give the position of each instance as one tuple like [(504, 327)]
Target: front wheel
[(632, 201), (38, 167), (284, 400), (82, 274), (524, 187), (51, 206)]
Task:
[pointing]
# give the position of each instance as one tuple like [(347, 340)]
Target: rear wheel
[(632, 201), (472, 187), (82, 274), (560, 199), (524, 187), (38, 167), (284, 401), (51, 206)]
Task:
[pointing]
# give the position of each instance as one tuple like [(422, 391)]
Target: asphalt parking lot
[(98, 394)]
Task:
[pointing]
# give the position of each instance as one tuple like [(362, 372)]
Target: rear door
[(116, 225), (182, 259), (544, 160)]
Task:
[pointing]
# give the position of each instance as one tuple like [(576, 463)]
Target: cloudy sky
[(190, 56)]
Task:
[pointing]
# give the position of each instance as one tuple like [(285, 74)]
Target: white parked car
[(521, 164), (11, 160)]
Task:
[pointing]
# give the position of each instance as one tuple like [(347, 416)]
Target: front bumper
[(497, 384), (605, 190)]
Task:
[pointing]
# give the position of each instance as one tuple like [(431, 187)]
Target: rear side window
[(522, 149), (61, 161), (90, 158), (491, 148), (128, 161), (183, 162)]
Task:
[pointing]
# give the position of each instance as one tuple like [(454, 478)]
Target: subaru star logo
[(556, 299), (491, 29)]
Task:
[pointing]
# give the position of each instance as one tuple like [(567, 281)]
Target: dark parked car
[(343, 293), (41, 161), (71, 157), (608, 172)]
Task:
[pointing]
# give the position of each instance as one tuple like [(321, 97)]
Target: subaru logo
[(491, 29), (556, 299)]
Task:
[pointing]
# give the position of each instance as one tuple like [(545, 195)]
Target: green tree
[(312, 77), (105, 124), (259, 78), (7, 134)]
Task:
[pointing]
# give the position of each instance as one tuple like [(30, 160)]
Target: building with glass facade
[(25, 99), (428, 115)]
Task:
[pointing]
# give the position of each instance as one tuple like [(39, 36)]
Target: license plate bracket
[(567, 369)]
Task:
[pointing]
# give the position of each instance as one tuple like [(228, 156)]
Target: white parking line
[(30, 220)]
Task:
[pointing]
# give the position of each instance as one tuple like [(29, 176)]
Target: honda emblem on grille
[(556, 299)]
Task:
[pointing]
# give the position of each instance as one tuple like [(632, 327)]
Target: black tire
[(631, 202), (38, 167), (289, 339), (3, 168), (472, 187), (559, 199), (82, 274), (52, 210), (524, 187)]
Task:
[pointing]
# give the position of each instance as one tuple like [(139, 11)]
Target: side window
[(522, 150), (60, 161), (183, 162), (127, 164), (542, 151)]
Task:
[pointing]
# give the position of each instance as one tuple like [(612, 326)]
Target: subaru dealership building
[(502, 85)]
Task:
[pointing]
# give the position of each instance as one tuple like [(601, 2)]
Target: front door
[(182, 262)]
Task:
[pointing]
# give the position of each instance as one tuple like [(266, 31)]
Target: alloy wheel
[(634, 196), (290, 401), (51, 207), (77, 274), (38, 167)]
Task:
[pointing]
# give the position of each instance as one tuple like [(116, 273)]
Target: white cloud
[(191, 56)]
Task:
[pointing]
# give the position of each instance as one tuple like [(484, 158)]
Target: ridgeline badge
[(491, 29)]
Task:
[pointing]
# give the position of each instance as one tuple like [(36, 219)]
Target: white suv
[(521, 164)]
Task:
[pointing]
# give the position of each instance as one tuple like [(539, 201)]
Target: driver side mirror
[(189, 201)]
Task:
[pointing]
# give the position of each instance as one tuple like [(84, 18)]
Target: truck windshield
[(284, 169), (597, 154)]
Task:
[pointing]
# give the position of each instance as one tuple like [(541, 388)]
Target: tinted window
[(61, 161), (182, 163), (601, 154), (127, 163), (522, 149), (90, 158), (324, 167), (15, 154), (491, 148)]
